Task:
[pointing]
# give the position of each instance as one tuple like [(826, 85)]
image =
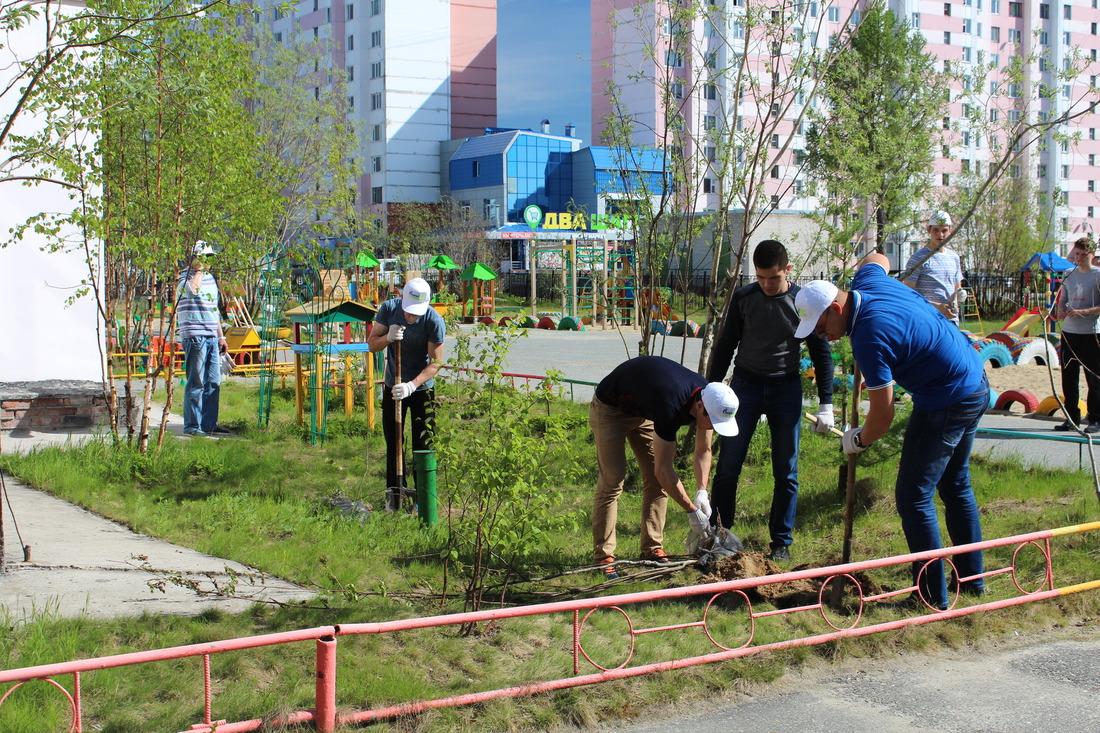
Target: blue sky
[(543, 47)]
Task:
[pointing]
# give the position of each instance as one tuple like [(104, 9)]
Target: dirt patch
[(781, 595)]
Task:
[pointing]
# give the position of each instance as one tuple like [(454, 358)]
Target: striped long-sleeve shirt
[(197, 312)]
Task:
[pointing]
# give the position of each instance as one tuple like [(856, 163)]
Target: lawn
[(515, 481)]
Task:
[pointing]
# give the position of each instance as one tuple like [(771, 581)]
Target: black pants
[(417, 409), (1081, 350)]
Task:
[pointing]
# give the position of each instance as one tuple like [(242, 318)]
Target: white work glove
[(826, 421), (396, 332), (699, 522), (962, 295), (848, 442), (403, 390), (703, 502)]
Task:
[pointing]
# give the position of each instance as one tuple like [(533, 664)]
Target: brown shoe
[(657, 555)]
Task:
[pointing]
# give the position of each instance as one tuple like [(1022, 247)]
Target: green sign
[(532, 215)]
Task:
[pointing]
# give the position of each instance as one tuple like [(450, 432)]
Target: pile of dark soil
[(781, 595)]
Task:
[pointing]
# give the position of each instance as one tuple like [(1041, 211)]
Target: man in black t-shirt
[(644, 401)]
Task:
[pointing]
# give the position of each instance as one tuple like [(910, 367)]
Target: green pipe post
[(424, 464)]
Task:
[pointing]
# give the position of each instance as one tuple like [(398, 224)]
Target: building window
[(995, 6), (966, 138), (376, 164), (375, 7), (475, 168), (316, 92), (1092, 159), (775, 202), (676, 89), (1015, 35), (351, 103), (376, 195), (1015, 10), (947, 38), (1042, 172), (966, 53), (1067, 38), (947, 179), (775, 171), (375, 133), (1044, 10), (775, 109), (710, 153), (1092, 133), (351, 73), (376, 70), (775, 141), (375, 39), (1065, 171), (708, 29), (947, 8), (1092, 186), (279, 37), (995, 60), (708, 185), (1067, 12), (351, 43), (995, 34), (710, 122), (916, 21), (673, 59), (710, 91), (967, 26), (376, 100), (1044, 38), (947, 123), (1090, 212), (351, 12), (834, 14), (965, 165)]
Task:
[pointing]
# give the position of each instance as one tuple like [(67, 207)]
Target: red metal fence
[(324, 716)]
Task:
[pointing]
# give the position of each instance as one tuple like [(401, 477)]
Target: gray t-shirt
[(427, 329), (1081, 290)]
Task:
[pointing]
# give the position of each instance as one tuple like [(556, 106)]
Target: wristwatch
[(857, 441)]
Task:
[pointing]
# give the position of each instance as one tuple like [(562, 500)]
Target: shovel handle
[(813, 419)]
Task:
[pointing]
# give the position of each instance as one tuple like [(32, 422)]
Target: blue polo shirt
[(898, 337)]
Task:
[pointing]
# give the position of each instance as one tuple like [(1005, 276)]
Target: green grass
[(253, 500)]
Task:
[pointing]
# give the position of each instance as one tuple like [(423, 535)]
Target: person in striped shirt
[(939, 276), (199, 329)]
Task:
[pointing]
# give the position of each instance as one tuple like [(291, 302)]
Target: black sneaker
[(779, 553), (219, 430), (1069, 427), (1094, 427)]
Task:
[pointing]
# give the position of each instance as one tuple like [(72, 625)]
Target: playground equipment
[(478, 290), (315, 324)]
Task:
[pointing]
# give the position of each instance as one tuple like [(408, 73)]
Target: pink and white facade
[(419, 72), (630, 47)]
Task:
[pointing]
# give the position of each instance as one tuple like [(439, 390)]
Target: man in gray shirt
[(1078, 303), (759, 326)]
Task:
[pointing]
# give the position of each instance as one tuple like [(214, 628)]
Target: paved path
[(1052, 686), (83, 564)]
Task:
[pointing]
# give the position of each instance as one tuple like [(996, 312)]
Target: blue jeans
[(936, 457), (204, 378), (782, 405)]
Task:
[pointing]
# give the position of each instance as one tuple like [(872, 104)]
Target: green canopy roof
[(366, 259), (442, 262), (478, 271)]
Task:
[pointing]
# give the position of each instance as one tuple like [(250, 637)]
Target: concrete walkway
[(83, 564)]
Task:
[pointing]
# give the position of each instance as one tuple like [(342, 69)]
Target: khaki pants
[(611, 430)]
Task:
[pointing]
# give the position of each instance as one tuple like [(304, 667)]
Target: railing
[(324, 715), (546, 382)]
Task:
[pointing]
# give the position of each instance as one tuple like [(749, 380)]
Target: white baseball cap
[(202, 248), (416, 297), (812, 300), (940, 219), (721, 404)]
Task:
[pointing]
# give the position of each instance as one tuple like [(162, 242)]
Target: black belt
[(759, 379)]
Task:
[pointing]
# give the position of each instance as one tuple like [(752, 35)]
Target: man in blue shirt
[(897, 337), (199, 329), (419, 329)]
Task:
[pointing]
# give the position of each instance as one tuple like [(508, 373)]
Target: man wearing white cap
[(199, 329), (938, 276), (897, 338), (645, 401), (411, 322)]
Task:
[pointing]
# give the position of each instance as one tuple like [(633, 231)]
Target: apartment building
[(419, 72), (691, 88)]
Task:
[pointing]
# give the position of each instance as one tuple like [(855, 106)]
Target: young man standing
[(199, 329), (759, 326), (410, 324), (939, 276), (1078, 303), (898, 338), (644, 401)]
